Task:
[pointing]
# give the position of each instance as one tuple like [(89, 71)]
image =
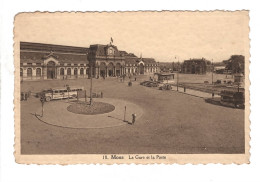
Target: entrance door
[(193, 69), (110, 68), (118, 67), (102, 68), (110, 73), (141, 69), (51, 70)]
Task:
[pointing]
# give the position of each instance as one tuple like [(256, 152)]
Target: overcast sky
[(163, 36)]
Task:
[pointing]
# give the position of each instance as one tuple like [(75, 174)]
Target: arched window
[(29, 72), (69, 71), (81, 71), (21, 71), (62, 71), (75, 71), (38, 72)]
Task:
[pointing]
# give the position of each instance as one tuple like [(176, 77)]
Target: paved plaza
[(167, 122), (68, 119)]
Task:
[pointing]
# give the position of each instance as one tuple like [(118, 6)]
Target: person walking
[(133, 118)]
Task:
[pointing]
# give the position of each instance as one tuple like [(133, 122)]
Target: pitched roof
[(51, 47), (149, 60), (195, 60), (39, 57), (131, 60), (101, 50)]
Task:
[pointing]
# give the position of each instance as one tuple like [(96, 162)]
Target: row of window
[(134, 70), (39, 72), (81, 71), (65, 91), (144, 65), (61, 64), (29, 72)]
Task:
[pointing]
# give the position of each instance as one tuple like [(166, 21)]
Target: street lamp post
[(178, 69), (90, 101), (212, 78)]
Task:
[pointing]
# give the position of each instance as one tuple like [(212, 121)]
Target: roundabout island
[(81, 107)]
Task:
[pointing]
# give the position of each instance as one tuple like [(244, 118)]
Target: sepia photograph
[(132, 87)]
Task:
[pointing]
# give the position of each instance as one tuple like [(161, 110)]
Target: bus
[(61, 93)]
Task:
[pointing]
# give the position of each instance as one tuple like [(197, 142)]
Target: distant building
[(48, 61), (194, 66)]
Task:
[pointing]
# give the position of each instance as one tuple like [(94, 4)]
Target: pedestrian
[(133, 118), (25, 96)]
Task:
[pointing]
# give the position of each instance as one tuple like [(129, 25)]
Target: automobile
[(154, 84), (144, 82), (165, 87), (229, 82), (149, 83), (218, 82)]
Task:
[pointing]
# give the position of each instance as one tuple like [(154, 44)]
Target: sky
[(165, 36)]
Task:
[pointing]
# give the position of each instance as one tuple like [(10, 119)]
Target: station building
[(194, 66), (48, 61)]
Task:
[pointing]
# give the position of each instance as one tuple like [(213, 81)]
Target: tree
[(236, 64)]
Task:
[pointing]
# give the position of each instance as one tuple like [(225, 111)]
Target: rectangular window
[(29, 64), (38, 64)]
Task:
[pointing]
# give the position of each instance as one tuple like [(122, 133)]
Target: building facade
[(48, 61), (194, 66)]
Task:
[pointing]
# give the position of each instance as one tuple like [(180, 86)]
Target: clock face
[(110, 51)]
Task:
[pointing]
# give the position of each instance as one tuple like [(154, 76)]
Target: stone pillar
[(72, 71), (84, 71), (24, 73), (58, 73), (33, 73), (96, 72), (44, 72)]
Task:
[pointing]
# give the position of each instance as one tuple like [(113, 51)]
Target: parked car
[(149, 83), (165, 87)]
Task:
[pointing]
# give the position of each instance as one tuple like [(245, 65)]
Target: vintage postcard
[(132, 87)]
